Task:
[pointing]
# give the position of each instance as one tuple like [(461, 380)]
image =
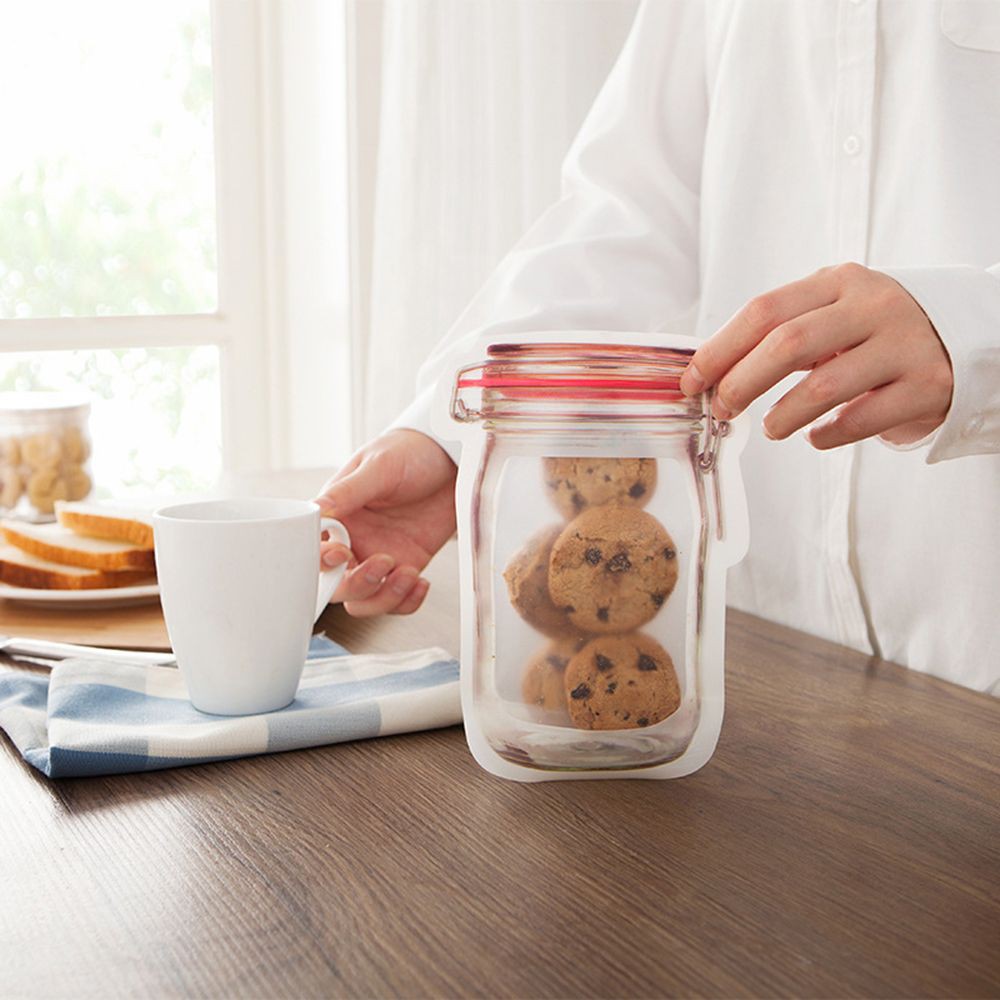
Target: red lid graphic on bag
[(579, 371)]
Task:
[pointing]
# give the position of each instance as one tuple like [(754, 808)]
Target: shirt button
[(852, 145), (974, 426)]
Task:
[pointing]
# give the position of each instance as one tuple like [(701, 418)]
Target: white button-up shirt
[(739, 145)]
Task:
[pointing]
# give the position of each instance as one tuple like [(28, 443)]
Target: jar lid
[(580, 371), (581, 382), (44, 402)]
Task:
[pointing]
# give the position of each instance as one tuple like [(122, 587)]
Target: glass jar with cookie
[(44, 452), (599, 509)]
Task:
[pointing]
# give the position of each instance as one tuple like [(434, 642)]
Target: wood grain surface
[(137, 627), (842, 842)]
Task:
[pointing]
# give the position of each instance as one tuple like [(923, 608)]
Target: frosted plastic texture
[(597, 517)]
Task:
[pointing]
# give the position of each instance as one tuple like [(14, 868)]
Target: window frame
[(265, 400)]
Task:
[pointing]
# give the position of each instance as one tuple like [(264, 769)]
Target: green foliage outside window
[(72, 244)]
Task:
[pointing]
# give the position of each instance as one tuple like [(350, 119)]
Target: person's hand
[(397, 498), (869, 348)]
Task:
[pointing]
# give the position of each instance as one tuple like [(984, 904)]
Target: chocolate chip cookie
[(578, 483), (621, 682), (527, 577), (542, 684), (612, 568)]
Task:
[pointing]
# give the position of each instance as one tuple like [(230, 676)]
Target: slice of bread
[(22, 569), (119, 524), (60, 545)]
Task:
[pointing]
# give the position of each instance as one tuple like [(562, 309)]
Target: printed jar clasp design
[(715, 431), (461, 412)]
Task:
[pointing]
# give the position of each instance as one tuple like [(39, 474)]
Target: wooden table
[(844, 841)]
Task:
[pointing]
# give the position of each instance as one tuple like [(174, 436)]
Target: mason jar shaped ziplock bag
[(598, 512)]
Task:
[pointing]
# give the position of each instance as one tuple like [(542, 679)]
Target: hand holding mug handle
[(329, 579)]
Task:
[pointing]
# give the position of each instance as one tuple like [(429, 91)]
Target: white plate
[(83, 600)]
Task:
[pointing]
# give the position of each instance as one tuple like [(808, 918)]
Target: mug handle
[(329, 579)]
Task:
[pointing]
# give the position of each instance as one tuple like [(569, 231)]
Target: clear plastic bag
[(598, 512)]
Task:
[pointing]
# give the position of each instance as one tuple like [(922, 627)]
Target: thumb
[(353, 491)]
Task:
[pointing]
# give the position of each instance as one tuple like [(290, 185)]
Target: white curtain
[(479, 101)]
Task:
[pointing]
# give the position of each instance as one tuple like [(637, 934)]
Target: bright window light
[(155, 421), (107, 203), (107, 208)]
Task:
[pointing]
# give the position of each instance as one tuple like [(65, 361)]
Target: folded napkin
[(91, 717)]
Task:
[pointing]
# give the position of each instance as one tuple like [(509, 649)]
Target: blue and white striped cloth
[(90, 717)]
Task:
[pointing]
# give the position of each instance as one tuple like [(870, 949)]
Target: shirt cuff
[(963, 303), (417, 417), (923, 443)]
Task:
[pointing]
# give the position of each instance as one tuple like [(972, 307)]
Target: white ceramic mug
[(238, 584)]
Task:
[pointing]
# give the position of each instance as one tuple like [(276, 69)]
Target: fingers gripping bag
[(598, 512)]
